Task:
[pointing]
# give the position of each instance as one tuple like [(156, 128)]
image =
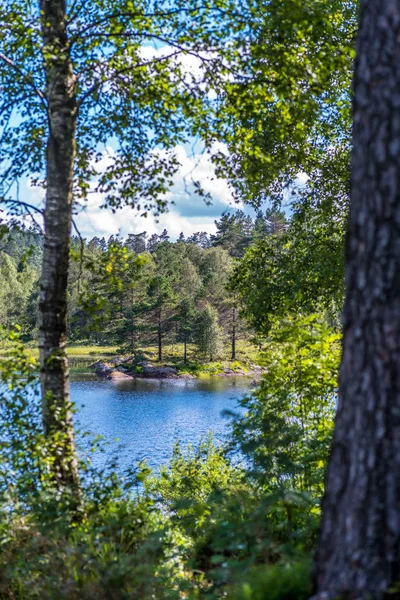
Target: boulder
[(106, 372), (120, 360), (118, 375), (114, 369), (101, 369), (96, 364), (164, 372)]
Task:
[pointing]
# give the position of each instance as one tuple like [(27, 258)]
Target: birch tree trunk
[(62, 111), (358, 556)]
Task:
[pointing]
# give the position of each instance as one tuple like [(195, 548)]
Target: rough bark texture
[(358, 555), (61, 96)]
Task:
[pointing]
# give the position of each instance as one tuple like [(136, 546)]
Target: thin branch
[(106, 61), (133, 15), (23, 204), (29, 209), (75, 14), (28, 78), (152, 36), (97, 86)]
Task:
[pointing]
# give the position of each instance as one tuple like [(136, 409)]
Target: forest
[(135, 292), (295, 105)]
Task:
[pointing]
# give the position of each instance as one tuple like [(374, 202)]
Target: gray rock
[(164, 372), (106, 372)]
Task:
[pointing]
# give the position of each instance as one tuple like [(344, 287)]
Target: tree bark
[(62, 109), (132, 336), (159, 333), (358, 556), (233, 354)]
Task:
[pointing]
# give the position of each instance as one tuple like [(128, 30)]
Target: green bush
[(207, 526), (277, 582)]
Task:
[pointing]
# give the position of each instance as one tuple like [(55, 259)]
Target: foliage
[(205, 527), (237, 522), (47, 548), (118, 297), (135, 102), (277, 582), (208, 333), (293, 104), (234, 233), (286, 429), (301, 267)]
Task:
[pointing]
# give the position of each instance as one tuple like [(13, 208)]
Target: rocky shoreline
[(118, 369)]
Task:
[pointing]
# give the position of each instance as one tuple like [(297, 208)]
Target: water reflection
[(149, 416)]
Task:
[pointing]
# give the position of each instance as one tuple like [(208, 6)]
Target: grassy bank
[(82, 355)]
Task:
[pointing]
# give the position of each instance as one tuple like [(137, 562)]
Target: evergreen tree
[(164, 237), (137, 242), (153, 242), (201, 238), (186, 319), (234, 233)]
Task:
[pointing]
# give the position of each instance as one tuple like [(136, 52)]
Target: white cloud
[(190, 64), (104, 223), (188, 212)]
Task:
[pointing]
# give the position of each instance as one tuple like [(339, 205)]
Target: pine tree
[(186, 319)]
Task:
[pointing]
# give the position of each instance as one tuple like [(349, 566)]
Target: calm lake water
[(149, 416)]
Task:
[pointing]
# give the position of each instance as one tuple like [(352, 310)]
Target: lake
[(149, 416)]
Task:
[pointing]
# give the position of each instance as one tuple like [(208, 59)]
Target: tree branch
[(28, 79), (123, 15), (29, 209), (115, 75)]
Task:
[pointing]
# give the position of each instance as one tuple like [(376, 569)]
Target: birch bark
[(62, 113)]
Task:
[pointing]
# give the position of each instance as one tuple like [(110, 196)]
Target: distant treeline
[(140, 290)]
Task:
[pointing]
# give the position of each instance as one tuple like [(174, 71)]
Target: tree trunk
[(61, 96), (359, 546), (184, 349), (133, 321), (159, 332), (233, 355)]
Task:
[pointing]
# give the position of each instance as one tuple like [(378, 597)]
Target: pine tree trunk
[(359, 546), (132, 336), (184, 349), (133, 322), (233, 355), (159, 332), (61, 95)]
